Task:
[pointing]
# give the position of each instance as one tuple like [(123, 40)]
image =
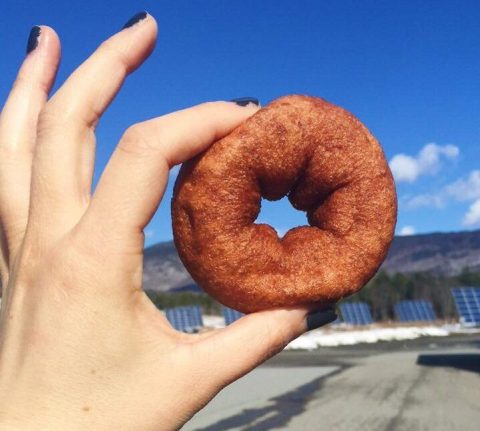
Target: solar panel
[(413, 311), (356, 313), (467, 301), (197, 316), (230, 315), (186, 319)]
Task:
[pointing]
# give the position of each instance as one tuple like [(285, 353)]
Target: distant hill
[(163, 269), (439, 253)]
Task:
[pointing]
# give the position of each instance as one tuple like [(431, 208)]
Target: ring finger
[(64, 156)]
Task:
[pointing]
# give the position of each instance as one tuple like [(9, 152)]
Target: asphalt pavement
[(430, 384)]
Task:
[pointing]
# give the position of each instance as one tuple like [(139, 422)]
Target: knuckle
[(58, 117), (51, 115), (137, 141), (133, 133), (132, 140), (111, 50), (75, 116)]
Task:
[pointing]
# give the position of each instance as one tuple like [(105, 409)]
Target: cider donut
[(329, 165)]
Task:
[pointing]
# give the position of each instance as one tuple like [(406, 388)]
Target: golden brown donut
[(329, 165)]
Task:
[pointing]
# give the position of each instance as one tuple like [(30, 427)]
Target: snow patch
[(323, 338)]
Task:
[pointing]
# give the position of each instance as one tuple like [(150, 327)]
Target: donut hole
[(280, 215)]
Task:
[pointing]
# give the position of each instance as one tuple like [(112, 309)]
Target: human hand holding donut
[(81, 345)]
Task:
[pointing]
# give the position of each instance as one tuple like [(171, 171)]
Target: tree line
[(385, 290), (382, 292)]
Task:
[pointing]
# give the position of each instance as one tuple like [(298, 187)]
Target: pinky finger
[(18, 131), (30, 90)]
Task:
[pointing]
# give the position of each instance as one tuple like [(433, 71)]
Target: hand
[(81, 345)]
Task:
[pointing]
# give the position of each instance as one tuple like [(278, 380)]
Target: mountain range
[(438, 253)]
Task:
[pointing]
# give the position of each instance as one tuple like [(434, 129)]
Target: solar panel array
[(356, 313), (186, 319), (230, 315), (413, 311), (467, 300)]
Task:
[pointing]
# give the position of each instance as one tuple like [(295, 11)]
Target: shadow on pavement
[(461, 361), (274, 416)]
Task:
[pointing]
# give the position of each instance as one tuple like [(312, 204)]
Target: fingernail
[(33, 38), (316, 319), (244, 101), (135, 18)]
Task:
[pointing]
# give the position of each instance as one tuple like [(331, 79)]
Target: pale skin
[(81, 345)]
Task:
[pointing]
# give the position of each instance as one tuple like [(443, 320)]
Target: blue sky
[(409, 70)]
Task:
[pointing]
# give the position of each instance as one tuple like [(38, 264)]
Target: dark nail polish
[(244, 101), (135, 18), (315, 319), (33, 38)]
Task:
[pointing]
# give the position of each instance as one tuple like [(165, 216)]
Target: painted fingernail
[(316, 319), (135, 19), (244, 101), (33, 38)]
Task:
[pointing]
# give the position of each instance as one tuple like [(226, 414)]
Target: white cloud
[(404, 168), (427, 162), (433, 200), (463, 190), (407, 230), (472, 217)]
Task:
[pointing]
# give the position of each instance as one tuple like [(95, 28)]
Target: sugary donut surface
[(329, 165)]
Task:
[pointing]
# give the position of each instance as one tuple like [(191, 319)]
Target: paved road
[(402, 388), (393, 392), (257, 396)]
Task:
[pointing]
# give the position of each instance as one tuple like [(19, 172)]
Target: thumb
[(237, 349)]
